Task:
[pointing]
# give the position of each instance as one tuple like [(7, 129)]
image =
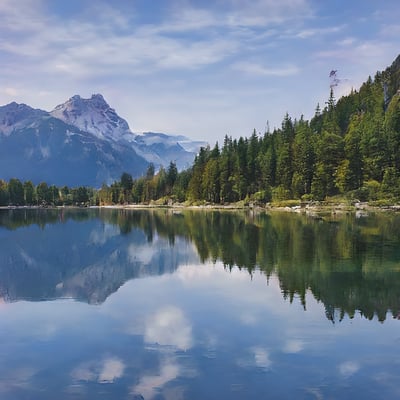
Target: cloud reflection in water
[(105, 371), (149, 385), (169, 327)]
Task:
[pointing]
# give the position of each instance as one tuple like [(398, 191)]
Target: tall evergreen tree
[(4, 194), (16, 192), (29, 193), (303, 158)]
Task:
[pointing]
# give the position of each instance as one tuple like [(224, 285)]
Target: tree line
[(17, 193)]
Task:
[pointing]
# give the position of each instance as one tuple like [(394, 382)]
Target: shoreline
[(311, 209)]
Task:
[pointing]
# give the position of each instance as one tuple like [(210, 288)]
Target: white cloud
[(112, 369), (257, 356), (311, 32), (169, 327), (95, 47), (101, 236), (261, 357), (22, 16), (84, 372), (145, 253), (150, 385), (84, 47), (105, 371), (293, 346), (235, 14), (348, 368), (348, 41)]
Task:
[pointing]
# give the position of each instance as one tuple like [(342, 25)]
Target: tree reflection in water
[(349, 264)]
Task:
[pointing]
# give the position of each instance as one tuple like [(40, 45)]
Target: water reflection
[(73, 254), (199, 332), (349, 264)]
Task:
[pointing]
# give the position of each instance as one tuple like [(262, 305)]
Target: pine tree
[(16, 192), (304, 158)]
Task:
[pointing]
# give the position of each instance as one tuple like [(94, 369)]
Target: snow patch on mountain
[(95, 116), (161, 149), (150, 138)]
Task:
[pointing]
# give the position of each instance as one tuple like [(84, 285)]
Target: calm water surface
[(112, 304)]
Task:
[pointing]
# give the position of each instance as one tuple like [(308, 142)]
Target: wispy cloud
[(264, 12), (83, 47), (164, 66), (21, 378), (236, 14), (22, 16), (257, 69), (364, 50), (308, 33)]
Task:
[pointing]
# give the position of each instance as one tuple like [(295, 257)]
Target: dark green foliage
[(126, 182), (150, 171), (172, 175), (303, 159), (16, 192), (80, 195), (43, 193), (4, 194), (29, 193), (126, 187)]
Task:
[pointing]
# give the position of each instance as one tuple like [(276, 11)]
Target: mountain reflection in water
[(349, 264)]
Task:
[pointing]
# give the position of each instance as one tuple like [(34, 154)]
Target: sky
[(204, 69)]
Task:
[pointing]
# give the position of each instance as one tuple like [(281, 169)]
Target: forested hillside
[(350, 147)]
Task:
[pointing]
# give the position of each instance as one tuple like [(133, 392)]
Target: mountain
[(82, 142), (95, 116), (160, 149), (47, 149), (15, 116)]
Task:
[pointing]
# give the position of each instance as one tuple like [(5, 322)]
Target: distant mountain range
[(82, 142)]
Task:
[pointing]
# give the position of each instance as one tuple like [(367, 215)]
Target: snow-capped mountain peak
[(95, 116)]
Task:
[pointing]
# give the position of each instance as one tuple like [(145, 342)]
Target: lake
[(160, 304)]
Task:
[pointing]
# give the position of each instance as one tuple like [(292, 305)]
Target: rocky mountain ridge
[(82, 142)]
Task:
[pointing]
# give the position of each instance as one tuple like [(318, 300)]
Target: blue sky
[(199, 68)]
